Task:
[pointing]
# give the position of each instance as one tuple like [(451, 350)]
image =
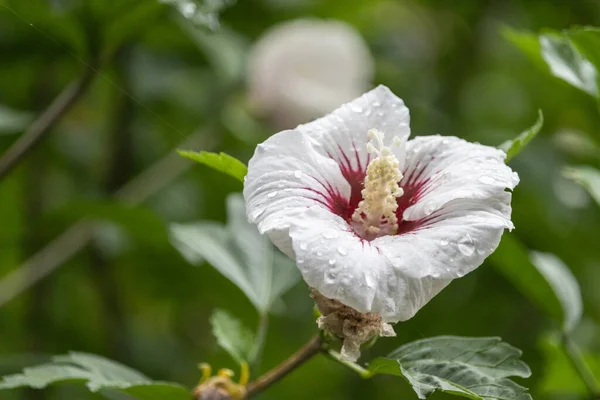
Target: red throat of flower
[(380, 191)]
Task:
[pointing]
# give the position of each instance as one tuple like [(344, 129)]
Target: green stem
[(334, 355), (578, 363), (259, 341)]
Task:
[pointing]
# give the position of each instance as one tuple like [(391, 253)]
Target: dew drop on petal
[(272, 194), (466, 245), (342, 250), (330, 277), (257, 213), (356, 108), (303, 246), (332, 261), (330, 235), (298, 174), (487, 180), (429, 207), (444, 242)]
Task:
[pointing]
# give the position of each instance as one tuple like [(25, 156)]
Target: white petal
[(285, 176), (343, 133), (356, 272), (462, 211), (455, 169)]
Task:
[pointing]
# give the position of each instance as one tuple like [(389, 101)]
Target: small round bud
[(211, 393)]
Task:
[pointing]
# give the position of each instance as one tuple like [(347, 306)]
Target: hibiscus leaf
[(477, 368), (232, 336), (240, 253), (98, 373), (565, 286), (221, 162), (587, 40), (210, 241), (568, 63), (528, 43), (586, 176), (514, 146)]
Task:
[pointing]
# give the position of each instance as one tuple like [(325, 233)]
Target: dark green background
[(131, 297)]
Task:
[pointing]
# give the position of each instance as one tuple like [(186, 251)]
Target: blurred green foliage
[(161, 81)]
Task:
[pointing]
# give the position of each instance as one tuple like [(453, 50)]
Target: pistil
[(376, 213)]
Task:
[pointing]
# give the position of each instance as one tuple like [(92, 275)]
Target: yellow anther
[(377, 211), (206, 372), (225, 373)]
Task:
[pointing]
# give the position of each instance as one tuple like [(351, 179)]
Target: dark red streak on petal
[(413, 184)]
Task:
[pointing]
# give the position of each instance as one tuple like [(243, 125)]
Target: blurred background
[(158, 76)]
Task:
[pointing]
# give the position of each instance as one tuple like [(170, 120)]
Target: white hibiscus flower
[(301, 69), (378, 224)]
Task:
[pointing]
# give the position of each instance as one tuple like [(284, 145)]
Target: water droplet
[(466, 245), (356, 108), (303, 246), (486, 179), (272, 194), (429, 207), (370, 281), (332, 261), (342, 251), (330, 277), (299, 261), (444, 242), (330, 235), (378, 104), (257, 213), (298, 174)]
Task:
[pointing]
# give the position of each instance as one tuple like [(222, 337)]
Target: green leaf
[(232, 336), (203, 13), (567, 63), (13, 121), (221, 162), (587, 40), (98, 373), (514, 147), (240, 253), (586, 176), (528, 43), (511, 259), (477, 368), (565, 286)]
